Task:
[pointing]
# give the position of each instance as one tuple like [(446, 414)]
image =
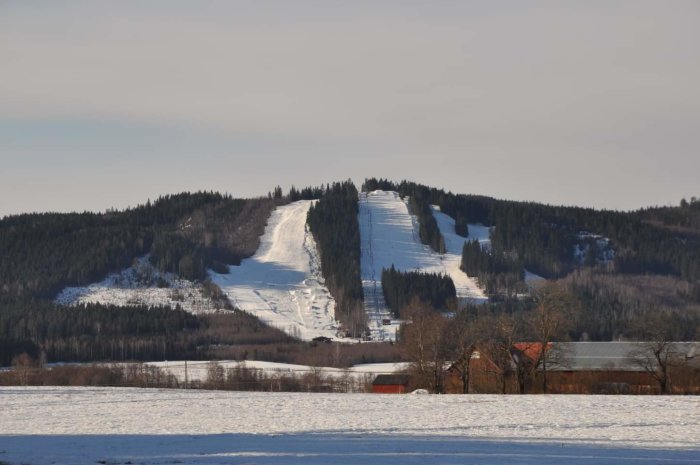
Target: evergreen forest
[(651, 268), (334, 224), (402, 288)]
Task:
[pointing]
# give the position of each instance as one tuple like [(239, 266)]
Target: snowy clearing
[(282, 284), (52, 425), (138, 285), (389, 236), (594, 248)]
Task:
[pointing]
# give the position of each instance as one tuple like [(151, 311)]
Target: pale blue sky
[(107, 104)]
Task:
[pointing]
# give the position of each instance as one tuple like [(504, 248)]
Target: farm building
[(625, 368), (579, 367), (390, 384)]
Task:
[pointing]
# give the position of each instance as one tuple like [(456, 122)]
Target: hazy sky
[(107, 104)]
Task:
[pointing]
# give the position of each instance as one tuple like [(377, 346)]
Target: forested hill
[(185, 234), (624, 267), (657, 240), (621, 265), (190, 232)]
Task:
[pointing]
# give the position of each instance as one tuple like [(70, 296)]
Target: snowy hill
[(143, 285), (282, 284), (389, 236)]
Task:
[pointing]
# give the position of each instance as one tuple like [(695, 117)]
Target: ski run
[(389, 237), (282, 283)]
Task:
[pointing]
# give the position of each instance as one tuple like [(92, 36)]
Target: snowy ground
[(197, 370), (282, 284), (389, 236), (132, 426), (137, 285)]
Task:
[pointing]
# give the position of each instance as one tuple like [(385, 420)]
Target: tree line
[(334, 224), (400, 288), (96, 332), (497, 274)]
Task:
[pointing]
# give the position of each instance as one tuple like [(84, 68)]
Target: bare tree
[(554, 313), (23, 366), (463, 336), (503, 332), (216, 375), (657, 354), (424, 344)]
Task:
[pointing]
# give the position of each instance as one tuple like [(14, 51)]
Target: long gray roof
[(581, 356)]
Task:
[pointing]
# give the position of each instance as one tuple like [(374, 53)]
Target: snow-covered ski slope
[(466, 287), (389, 236), (282, 284)]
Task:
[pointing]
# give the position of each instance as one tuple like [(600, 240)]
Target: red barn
[(390, 384)]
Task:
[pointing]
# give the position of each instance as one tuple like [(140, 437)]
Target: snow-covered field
[(138, 285), (282, 284), (136, 426), (389, 236), (197, 370)]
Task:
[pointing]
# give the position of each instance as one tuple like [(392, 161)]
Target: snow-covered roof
[(581, 356)]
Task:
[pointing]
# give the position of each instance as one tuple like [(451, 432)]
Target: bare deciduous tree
[(424, 344), (463, 336), (554, 313), (503, 332), (216, 375), (23, 366), (656, 355)]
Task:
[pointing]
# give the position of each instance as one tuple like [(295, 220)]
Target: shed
[(390, 384)]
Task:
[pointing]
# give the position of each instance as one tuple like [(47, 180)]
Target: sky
[(108, 104)]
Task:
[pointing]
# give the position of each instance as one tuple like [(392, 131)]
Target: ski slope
[(282, 284), (389, 236), (81, 426), (466, 287)]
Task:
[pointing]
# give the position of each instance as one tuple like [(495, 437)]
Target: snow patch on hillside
[(282, 283), (593, 247), (389, 236), (141, 285), (533, 280)]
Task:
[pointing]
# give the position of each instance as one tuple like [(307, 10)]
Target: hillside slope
[(389, 237), (143, 285), (281, 284)]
